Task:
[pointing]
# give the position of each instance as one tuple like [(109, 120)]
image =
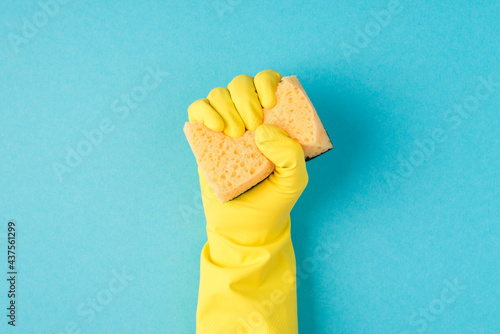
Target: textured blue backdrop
[(110, 228)]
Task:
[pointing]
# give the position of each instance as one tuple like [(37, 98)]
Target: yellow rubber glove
[(247, 270)]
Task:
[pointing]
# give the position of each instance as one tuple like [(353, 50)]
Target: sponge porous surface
[(295, 114), (231, 165), (234, 165)]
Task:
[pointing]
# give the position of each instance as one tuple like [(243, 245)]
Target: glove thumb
[(290, 174)]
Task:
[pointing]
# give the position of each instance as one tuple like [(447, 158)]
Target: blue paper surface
[(102, 186)]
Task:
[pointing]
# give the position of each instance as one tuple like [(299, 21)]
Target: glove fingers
[(202, 111), (290, 174), (246, 101), (266, 83), (220, 100)]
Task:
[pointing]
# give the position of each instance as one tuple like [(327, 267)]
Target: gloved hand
[(247, 270)]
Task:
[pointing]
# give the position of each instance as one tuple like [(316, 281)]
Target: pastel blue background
[(134, 200)]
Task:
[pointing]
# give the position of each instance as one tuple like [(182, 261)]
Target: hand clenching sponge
[(234, 165)]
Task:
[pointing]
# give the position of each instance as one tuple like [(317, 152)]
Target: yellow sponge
[(295, 114), (234, 165)]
